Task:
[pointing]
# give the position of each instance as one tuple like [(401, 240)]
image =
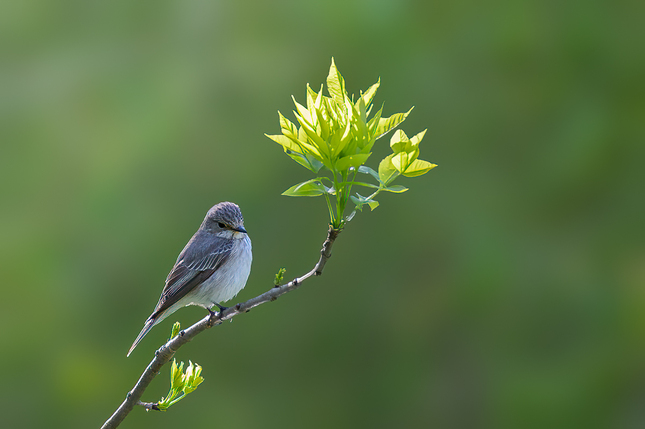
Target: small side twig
[(166, 352), (149, 405)]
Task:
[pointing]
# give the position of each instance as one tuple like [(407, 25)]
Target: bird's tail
[(152, 321)]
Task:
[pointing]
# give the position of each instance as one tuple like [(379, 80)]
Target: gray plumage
[(212, 268)]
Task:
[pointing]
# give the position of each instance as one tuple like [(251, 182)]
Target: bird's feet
[(221, 309), (211, 314)]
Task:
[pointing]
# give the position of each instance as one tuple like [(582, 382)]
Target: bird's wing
[(195, 264)]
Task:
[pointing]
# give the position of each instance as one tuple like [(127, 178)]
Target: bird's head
[(225, 220)]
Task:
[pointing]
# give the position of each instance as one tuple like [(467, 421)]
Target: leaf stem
[(336, 221), (331, 211)]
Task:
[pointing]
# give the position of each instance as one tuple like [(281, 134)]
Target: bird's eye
[(221, 225)]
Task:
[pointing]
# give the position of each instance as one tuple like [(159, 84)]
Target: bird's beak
[(240, 229)]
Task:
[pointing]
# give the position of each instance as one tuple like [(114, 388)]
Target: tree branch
[(168, 350)]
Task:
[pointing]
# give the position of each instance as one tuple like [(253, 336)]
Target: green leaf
[(399, 141), (176, 327), (287, 127), (328, 190), (368, 95), (181, 384), (401, 161), (351, 161), (303, 112), (357, 202), (386, 124), (352, 113), (310, 188), (335, 83), (347, 143), (367, 185), (417, 138), (345, 138), (177, 375), (311, 96), (286, 142), (334, 110), (361, 133), (322, 123), (302, 135), (369, 109), (362, 110), (397, 189), (369, 141), (360, 201), (373, 123), (306, 160), (367, 170), (279, 276), (386, 170), (418, 167), (319, 144)]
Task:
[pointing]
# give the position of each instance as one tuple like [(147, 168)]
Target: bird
[(213, 267)]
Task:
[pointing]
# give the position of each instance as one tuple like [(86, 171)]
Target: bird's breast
[(230, 278)]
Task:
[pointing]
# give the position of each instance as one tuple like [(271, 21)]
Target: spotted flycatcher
[(212, 268)]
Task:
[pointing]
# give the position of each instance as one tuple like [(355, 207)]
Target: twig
[(168, 350), (149, 405)]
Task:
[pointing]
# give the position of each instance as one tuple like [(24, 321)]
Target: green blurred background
[(504, 290)]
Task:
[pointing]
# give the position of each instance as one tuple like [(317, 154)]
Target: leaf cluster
[(336, 133), (279, 276), (181, 383)]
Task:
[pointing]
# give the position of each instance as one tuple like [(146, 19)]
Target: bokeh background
[(506, 289)]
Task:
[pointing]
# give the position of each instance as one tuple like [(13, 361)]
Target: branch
[(168, 350)]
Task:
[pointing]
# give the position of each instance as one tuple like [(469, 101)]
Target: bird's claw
[(221, 310)]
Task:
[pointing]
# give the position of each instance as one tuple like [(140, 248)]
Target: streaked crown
[(226, 213)]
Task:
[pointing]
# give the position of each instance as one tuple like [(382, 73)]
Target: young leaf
[(345, 138), (286, 142), (303, 112), (367, 185), (310, 188), (306, 145), (368, 95), (193, 378), (418, 167), (361, 200), (399, 141), (177, 376), (319, 145), (311, 96), (386, 170), (287, 127), (401, 161), (306, 160), (335, 83), (386, 124), (362, 110), (279, 276), (176, 327), (373, 123), (397, 189), (368, 145), (357, 202), (417, 138), (351, 161), (367, 170)]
